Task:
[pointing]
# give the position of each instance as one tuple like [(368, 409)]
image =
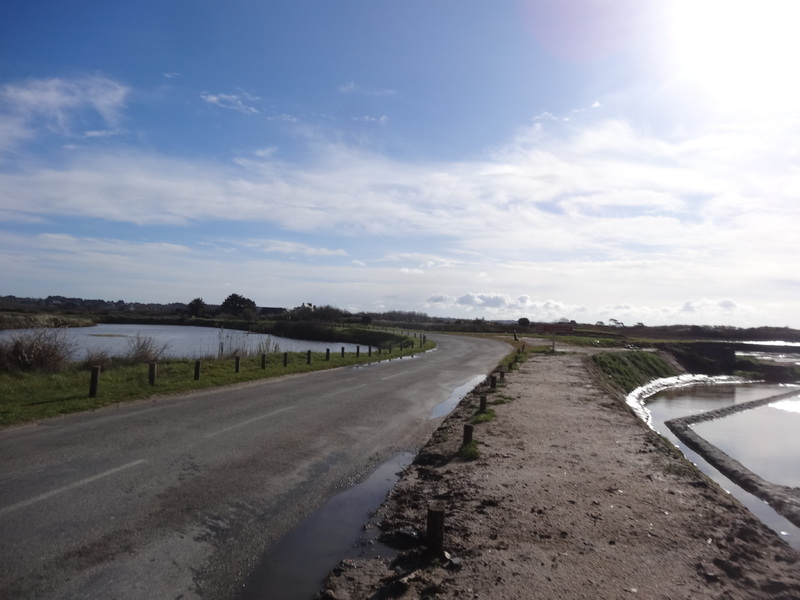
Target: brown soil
[(572, 497)]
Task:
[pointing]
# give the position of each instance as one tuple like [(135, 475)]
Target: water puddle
[(296, 566), (445, 408)]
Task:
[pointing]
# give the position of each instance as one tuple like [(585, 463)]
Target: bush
[(39, 350), (142, 349)]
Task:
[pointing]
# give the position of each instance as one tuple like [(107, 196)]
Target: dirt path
[(572, 497)]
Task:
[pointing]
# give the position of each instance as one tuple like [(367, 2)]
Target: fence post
[(197, 370), (94, 382), (342, 351), (434, 533), (285, 358), (308, 357), (237, 360), (358, 351), (327, 353), (369, 350), (483, 404), (492, 382), (263, 361), (151, 374), (467, 434)]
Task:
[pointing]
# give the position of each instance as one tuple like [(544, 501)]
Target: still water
[(764, 439), (181, 342)]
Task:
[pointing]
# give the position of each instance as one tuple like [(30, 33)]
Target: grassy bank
[(32, 395), (626, 371)]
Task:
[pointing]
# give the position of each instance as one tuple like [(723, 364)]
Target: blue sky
[(580, 159)]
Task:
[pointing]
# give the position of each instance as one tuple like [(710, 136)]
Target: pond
[(764, 439), (182, 342)]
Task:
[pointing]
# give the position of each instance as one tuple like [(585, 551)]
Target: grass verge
[(32, 395)]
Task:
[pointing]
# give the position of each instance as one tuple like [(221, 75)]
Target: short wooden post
[(197, 370), (237, 363), (308, 357), (342, 351), (467, 434), (151, 373), (483, 404), (434, 533), (493, 382), (502, 374), (327, 353), (94, 382), (369, 350), (263, 361), (285, 358), (358, 351)]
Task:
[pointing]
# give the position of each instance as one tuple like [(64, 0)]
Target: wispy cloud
[(232, 102), (284, 247), (59, 105), (352, 88)]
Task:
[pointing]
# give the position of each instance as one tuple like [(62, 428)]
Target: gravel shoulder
[(572, 497)]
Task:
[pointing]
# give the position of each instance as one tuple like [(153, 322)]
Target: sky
[(634, 160)]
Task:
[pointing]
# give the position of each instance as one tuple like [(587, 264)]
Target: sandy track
[(572, 497)]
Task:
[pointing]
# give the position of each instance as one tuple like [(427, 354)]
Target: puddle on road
[(445, 408), (296, 566)]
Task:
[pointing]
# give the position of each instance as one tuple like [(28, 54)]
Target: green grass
[(469, 451), (483, 417), (632, 369), (30, 396)]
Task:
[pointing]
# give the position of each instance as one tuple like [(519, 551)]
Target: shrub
[(38, 350), (144, 349)]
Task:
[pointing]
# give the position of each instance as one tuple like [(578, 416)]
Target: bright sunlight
[(740, 53)]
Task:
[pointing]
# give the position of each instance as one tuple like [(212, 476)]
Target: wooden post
[(369, 350), (483, 404), (493, 382), (94, 382), (263, 361), (467, 434), (327, 353), (285, 358), (151, 374), (502, 374), (358, 351), (308, 357), (237, 361), (197, 370), (342, 351), (434, 534)]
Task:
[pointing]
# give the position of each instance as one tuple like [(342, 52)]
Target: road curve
[(178, 497)]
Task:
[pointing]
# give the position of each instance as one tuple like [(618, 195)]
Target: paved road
[(178, 497)]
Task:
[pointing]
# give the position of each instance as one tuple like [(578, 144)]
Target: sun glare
[(741, 53)]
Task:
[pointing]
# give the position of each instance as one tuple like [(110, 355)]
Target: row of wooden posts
[(434, 533), (94, 380)]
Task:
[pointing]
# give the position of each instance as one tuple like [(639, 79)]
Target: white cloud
[(231, 102), (59, 105), (283, 247), (352, 88)]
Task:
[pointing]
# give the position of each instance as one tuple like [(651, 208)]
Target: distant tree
[(196, 307), (524, 322), (366, 319), (236, 305), (600, 324)]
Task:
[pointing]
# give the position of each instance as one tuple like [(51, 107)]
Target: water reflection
[(747, 434), (182, 341)]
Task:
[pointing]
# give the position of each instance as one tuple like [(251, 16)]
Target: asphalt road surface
[(179, 497)]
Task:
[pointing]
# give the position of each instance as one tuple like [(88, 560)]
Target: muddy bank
[(784, 499), (572, 496)]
